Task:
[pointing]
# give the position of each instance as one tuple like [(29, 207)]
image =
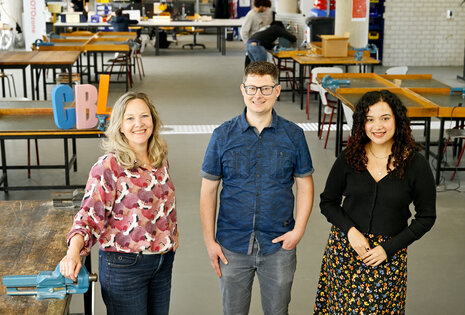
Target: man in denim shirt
[(257, 155)]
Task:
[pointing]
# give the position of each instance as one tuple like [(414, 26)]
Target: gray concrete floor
[(200, 87)]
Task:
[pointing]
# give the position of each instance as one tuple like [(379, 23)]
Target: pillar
[(287, 6), (356, 26)]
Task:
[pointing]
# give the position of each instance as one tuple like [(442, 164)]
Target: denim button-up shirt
[(258, 171)]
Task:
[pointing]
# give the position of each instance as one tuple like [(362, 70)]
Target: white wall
[(417, 33)]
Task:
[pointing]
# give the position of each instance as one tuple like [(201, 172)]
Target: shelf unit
[(376, 26)]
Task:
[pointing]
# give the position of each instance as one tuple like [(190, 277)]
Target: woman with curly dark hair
[(366, 199)]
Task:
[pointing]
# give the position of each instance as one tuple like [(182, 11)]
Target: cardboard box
[(334, 45)]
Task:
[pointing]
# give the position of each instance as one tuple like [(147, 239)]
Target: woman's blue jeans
[(135, 283)]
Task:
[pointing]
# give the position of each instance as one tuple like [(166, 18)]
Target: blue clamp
[(48, 284), (358, 55), (460, 91), (40, 42), (102, 121), (330, 83), (278, 48)]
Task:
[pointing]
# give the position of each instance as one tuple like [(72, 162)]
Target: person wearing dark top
[(260, 41), (78, 5), (120, 22), (366, 199), (222, 10)]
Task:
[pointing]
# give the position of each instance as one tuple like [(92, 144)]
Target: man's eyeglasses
[(265, 90)]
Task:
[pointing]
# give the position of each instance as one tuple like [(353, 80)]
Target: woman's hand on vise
[(71, 264), (375, 256), (358, 241)]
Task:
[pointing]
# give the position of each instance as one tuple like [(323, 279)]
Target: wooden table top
[(320, 60), (55, 57), (108, 46), (16, 57), (80, 42), (64, 46), (33, 239), (287, 54), (420, 93)]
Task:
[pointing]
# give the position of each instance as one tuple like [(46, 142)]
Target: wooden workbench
[(33, 239), (15, 60), (22, 120)]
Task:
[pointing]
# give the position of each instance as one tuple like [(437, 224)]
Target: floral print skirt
[(348, 286)]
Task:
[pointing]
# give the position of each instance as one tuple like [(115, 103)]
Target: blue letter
[(64, 119)]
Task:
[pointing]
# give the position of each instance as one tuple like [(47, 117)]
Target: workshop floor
[(201, 87)]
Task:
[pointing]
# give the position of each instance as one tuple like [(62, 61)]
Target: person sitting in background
[(120, 22), (257, 18), (260, 41)]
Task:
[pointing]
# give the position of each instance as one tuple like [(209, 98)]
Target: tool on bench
[(102, 121), (358, 55), (459, 91), (330, 83), (48, 284)]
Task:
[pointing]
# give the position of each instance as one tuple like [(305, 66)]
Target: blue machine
[(48, 284), (330, 83), (358, 55)]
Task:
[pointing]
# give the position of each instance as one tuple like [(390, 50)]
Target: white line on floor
[(208, 129)]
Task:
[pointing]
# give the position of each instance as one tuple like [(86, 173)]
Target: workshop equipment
[(330, 83), (102, 121), (48, 284), (358, 54), (458, 90)]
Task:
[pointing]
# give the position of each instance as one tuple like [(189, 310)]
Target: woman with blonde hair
[(129, 208)]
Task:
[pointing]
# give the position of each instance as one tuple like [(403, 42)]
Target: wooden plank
[(360, 80), (33, 239), (54, 57), (431, 90), (417, 106), (131, 34), (286, 54), (26, 111), (320, 60), (407, 76), (69, 40), (68, 132), (16, 58)]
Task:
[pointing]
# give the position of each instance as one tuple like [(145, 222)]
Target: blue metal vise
[(358, 55), (102, 121), (459, 91), (40, 42), (330, 83), (48, 284)]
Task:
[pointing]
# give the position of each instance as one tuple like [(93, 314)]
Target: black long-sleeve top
[(267, 37), (381, 208)]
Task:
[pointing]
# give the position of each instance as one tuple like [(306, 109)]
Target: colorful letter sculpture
[(91, 105)]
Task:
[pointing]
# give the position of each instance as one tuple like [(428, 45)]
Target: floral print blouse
[(127, 210)]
